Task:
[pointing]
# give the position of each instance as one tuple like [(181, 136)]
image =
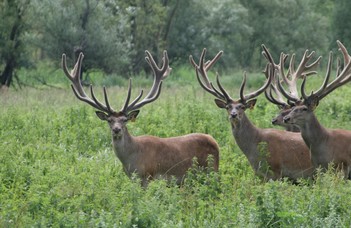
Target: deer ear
[(133, 115), (101, 115), (220, 103), (251, 103)]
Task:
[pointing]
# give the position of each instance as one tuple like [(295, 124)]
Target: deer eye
[(124, 120), (240, 106)]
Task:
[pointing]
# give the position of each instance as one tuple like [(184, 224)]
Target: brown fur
[(152, 157), (286, 154), (326, 145)]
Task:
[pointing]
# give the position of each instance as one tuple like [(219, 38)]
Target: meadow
[(58, 168)]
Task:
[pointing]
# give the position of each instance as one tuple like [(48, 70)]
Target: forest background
[(114, 34)]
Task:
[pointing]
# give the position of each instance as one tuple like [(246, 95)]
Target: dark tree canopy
[(12, 45), (114, 34)]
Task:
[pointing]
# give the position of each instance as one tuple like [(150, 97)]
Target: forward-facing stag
[(148, 156), (285, 155), (290, 78), (326, 145)]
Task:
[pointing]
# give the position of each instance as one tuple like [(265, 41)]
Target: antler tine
[(124, 108), (101, 106), (77, 88), (201, 70), (302, 70), (342, 78), (74, 75), (287, 95), (242, 86), (269, 75), (274, 84), (279, 100), (269, 96), (302, 65), (203, 67), (224, 92), (282, 59), (344, 52), (159, 75), (212, 91), (321, 90), (268, 55), (338, 66), (210, 63)]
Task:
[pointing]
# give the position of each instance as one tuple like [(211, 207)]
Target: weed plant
[(58, 169)]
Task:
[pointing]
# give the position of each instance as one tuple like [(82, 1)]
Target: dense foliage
[(58, 169), (114, 34)]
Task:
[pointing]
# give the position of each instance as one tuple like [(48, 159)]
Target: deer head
[(305, 106), (274, 93), (234, 107), (117, 120)]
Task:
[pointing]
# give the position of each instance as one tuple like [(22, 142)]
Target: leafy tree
[(150, 25), (12, 46), (229, 30), (287, 25), (215, 25), (341, 22), (86, 26)]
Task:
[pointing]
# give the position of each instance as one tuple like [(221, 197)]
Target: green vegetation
[(58, 169)]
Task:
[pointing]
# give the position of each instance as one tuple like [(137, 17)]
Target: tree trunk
[(6, 76), (10, 65)]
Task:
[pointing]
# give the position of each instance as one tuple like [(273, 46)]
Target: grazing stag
[(326, 145), (286, 154), (148, 156), (290, 79)]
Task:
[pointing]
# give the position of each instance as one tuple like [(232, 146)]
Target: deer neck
[(292, 128), (125, 147), (246, 136), (313, 133)]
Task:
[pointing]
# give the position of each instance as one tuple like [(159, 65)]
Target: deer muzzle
[(233, 115)]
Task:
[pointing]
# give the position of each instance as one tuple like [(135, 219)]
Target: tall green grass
[(58, 169)]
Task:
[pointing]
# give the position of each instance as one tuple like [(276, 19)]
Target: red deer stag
[(148, 156), (290, 79), (286, 154), (326, 145)]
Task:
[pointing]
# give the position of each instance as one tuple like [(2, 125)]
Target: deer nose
[(274, 121), (286, 119), (116, 130), (233, 115)]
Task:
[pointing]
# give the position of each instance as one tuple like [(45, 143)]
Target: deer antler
[(78, 90), (159, 75), (202, 69), (269, 72), (342, 76), (290, 79), (221, 93), (273, 88)]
